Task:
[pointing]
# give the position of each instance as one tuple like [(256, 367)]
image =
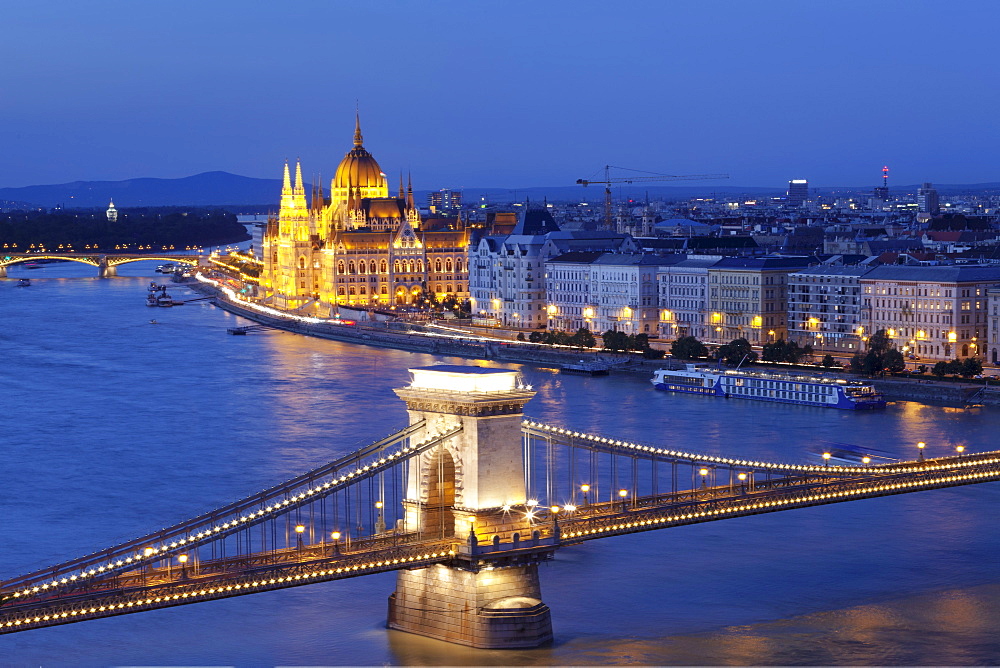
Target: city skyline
[(516, 95)]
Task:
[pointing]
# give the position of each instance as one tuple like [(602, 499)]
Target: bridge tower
[(466, 488)]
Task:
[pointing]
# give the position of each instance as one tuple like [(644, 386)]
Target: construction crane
[(608, 182)]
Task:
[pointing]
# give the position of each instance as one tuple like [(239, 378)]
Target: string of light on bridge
[(720, 513), (153, 551), (648, 450), (236, 588)]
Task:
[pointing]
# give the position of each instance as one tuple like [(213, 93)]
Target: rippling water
[(113, 426)]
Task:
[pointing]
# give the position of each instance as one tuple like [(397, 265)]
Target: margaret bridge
[(463, 503), (106, 263)]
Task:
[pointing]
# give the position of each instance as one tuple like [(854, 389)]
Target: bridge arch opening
[(439, 515)]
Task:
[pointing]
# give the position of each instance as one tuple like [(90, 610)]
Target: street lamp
[(336, 542), (703, 472), (743, 481), (585, 488), (826, 459), (623, 494), (299, 530), (555, 520), (921, 445), (960, 449), (380, 520), (866, 460), (183, 559)]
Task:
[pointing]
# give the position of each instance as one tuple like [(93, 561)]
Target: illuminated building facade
[(683, 297), (508, 276), (748, 297), (360, 246), (936, 312), (602, 291), (824, 307)]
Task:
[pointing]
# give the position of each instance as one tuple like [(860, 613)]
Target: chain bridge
[(464, 503), (106, 263)]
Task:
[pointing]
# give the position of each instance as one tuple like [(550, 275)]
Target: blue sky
[(502, 94)]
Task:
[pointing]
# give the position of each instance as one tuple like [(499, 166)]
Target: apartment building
[(748, 297), (683, 296), (934, 312), (824, 307)]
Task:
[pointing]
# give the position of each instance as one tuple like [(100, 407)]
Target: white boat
[(23, 282), (768, 386)]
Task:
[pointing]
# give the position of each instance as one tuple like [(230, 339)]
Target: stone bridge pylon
[(466, 488)]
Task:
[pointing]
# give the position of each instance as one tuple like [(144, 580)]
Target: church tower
[(112, 212)]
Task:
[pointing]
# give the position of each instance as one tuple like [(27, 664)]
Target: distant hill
[(207, 189), (234, 191)]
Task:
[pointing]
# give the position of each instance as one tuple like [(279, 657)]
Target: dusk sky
[(503, 94)]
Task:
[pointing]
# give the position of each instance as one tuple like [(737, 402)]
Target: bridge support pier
[(465, 488), (489, 609), (105, 270), (3, 271)]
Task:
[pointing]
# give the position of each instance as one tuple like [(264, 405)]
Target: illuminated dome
[(359, 169)]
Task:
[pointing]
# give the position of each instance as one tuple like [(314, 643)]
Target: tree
[(688, 348), (893, 361), (858, 362), (871, 364), (775, 351), (880, 343), (615, 340), (520, 336), (971, 366), (793, 353), (736, 352), (940, 369), (828, 361), (583, 338), (881, 355), (784, 351)]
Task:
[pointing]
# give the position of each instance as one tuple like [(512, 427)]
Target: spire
[(357, 130), (319, 199), (286, 186), (402, 193), (298, 176), (409, 192)]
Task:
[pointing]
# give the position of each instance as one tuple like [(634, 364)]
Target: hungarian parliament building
[(359, 246)]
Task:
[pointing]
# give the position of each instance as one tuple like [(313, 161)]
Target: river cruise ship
[(768, 386)]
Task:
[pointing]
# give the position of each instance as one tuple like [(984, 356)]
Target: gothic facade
[(359, 247)]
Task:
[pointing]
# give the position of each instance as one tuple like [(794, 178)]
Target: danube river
[(114, 426)]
